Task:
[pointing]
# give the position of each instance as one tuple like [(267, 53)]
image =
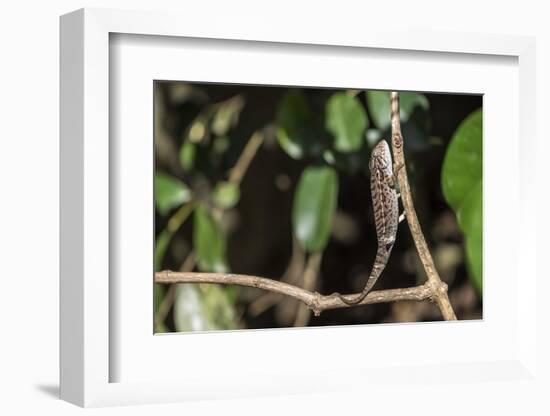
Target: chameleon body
[(386, 214)]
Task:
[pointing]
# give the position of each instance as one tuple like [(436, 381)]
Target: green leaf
[(187, 155), (209, 242), (170, 193), (470, 220), (462, 184), (161, 245), (470, 212), (198, 131), (203, 308), (409, 101), (378, 103), (227, 116), (314, 206), (379, 106), (350, 163), (346, 120), (293, 118), (226, 195), (462, 166)]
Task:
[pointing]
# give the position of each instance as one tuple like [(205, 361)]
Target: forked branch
[(434, 289)]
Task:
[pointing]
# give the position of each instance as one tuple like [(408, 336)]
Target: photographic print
[(281, 207)]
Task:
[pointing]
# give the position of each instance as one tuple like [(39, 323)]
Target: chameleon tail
[(379, 264)]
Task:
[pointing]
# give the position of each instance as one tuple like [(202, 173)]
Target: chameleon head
[(381, 157)]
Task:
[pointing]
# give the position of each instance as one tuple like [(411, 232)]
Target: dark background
[(260, 230)]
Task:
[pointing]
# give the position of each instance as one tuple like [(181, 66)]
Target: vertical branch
[(439, 288)]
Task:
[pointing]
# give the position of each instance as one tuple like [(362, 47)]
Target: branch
[(437, 286), (315, 301), (434, 289), (237, 173)]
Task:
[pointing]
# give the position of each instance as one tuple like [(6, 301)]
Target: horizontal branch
[(315, 301)]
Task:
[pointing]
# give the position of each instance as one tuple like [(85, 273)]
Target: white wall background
[(29, 203)]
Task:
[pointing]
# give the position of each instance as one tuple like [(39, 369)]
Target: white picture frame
[(89, 300)]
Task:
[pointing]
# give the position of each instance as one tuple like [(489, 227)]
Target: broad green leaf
[(470, 220), (315, 201), (474, 256), (293, 119), (209, 242), (462, 186), (379, 106), (346, 120), (226, 195), (187, 155), (462, 166), (470, 212), (169, 193)]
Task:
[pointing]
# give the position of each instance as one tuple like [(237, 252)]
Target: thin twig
[(315, 301), (237, 173), (437, 286)]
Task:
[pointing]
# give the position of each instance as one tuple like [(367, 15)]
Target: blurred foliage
[(296, 131), (312, 182), (169, 193), (226, 195), (463, 189), (314, 207), (203, 308), (346, 120), (209, 242)]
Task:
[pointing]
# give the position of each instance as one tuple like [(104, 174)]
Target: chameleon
[(386, 214)]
